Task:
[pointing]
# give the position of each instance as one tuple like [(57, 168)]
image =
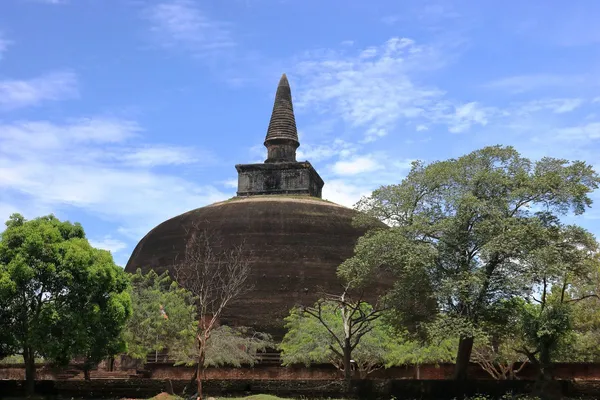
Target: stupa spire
[(282, 135)]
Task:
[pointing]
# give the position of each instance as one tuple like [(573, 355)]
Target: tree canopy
[(459, 230), (60, 296), (163, 317), (314, 340)]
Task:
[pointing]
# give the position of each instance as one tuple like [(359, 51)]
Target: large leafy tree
[(164, 316), (458, 229), (561, 270), (91, 322), (57, 293)]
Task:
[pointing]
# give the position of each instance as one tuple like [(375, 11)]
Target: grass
[(165, 396), (257, 397), (16, 359)]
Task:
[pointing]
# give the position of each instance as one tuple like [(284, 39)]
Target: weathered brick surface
[(383, 389), (298, 178), (163, 371), (295, 246)]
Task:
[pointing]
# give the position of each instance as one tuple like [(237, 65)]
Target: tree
[(93, 319), (583, 344), (215, 275), (338, 330), (235, 346), (497, 355), (567, 260), (52, 280), (461, 226), (435, 349), (164, 316)]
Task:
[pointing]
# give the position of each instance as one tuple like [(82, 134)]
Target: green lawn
[(257, 397), (164, 396)]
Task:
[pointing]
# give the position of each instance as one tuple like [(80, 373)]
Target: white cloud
[(590, 131), (152, 156), (91, 166), (391, 19), (181, 23), (348, 187), (4, 44), (109, 243), (316, 153), (358, 165), (230, 183), (344, 192), (376, 88), (526, 83), (49, 87), (558, 105), (466, 115)]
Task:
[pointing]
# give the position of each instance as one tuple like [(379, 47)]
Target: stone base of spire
[(299, 178)]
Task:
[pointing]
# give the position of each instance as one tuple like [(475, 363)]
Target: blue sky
[(120, 114)]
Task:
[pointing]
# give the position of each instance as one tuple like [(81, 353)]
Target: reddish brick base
[(587, 372), (363, 390)]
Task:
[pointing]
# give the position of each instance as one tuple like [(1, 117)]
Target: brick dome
[(295, 245)]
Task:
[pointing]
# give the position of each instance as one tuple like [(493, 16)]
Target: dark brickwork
[(281, 173), (325, 389), (282, 126), (281, 178), (294, 243)]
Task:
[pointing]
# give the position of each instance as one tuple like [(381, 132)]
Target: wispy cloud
[(358, 165), (557, 105), (49, 87), (55, 2), (527, 83), (109, 243), (161, 155), (93, 165), (320, 152), (459, 117), (585, 132), (4, 44), (372, 89), (182, 24)]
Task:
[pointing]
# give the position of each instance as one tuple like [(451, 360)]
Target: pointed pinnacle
[(283, 122)]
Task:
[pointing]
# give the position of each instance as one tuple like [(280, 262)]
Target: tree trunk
[(347, 361), (200, 369), (86, 373), (465, 347), (545, 364), (199, 382), (29, 359), (545, 387)]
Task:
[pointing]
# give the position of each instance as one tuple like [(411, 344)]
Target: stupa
[(296, 240)]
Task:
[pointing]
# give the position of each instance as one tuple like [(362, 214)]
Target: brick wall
[(588, 372), (364, 390)]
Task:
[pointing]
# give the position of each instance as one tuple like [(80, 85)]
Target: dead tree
[(216, 274)]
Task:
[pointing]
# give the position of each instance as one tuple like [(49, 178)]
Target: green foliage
[(163, 317), (461, 229), (308, 341), (407, 351), (228, 346), (60, 296), (507, 396), (564, 271)]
